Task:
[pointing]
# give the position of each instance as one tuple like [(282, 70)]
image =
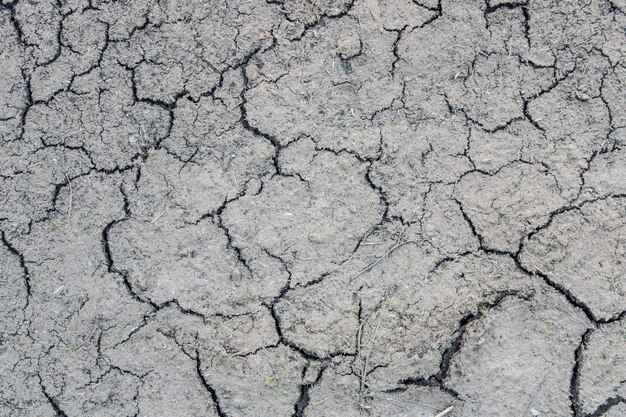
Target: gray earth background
[(313, 208)]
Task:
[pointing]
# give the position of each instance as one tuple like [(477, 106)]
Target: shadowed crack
[(304, 398), (218, 408), (574, 386), (106, 246), (55, 406), (574, 389), (489, 9), (25, 271), (195, 357), (217, 216), (155, 307), (576, 405), (16, 24), (438, 379), (479, 236), (323, 17), (568, 295), (606, 406)]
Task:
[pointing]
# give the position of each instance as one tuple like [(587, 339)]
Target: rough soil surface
[(313, 208)]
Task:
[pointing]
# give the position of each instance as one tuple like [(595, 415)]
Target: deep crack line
[(574, 389), (55, 406), (22, 261), (304, 398), (606, 406), (574, 386), (218, 408), (438, 379), (111, 268)]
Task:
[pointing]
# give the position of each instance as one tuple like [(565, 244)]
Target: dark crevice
[(574, 385), (217, 216), (323, 17), (22, 261), (16, 24), (241, 259), (567, 294), (394, 48), (216, 402), (106, 246), (169, 108), (481, 240), (438, 12), (438, 379), (489, 9), (304, 397), (53, 403), (606, 406)]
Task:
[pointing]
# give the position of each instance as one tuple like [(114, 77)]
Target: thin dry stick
[(446, 411), (158, 216), (536, 261), (394, 247), (69, 204), (358, 347)]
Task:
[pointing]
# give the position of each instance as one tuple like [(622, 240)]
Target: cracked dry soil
[(313, 208)]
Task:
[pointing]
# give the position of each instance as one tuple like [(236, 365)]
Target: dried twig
[(69, 204), (395, 246), (158, 216), (446, 411)]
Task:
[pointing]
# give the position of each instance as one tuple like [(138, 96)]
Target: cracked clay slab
[(313, 208)]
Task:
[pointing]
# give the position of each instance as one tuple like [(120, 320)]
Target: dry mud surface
[(313, 208)]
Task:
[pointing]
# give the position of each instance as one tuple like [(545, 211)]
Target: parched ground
[(313, 208)]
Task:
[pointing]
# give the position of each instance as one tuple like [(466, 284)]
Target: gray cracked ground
[(313, 208)]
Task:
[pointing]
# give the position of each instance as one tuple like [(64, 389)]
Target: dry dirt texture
[(313, 208)]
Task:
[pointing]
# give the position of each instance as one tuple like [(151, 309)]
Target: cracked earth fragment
[(311, 218), (312, 208)]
